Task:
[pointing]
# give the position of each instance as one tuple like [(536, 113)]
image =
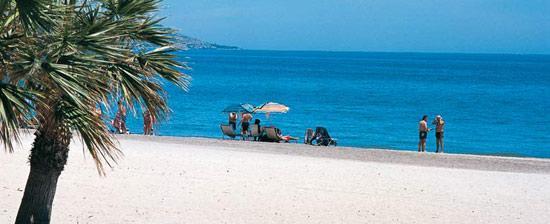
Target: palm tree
[(59, 59)]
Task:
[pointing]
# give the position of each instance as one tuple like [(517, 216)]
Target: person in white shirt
[(439, 125)]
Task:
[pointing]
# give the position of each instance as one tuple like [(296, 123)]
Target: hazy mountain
[(187, 42)]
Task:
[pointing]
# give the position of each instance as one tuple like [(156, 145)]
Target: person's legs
[(422, 143), (245, 130), (123, 124), (120, 127), (150, 129), (437, 142)]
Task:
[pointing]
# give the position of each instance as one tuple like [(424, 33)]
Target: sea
[(492, 104)]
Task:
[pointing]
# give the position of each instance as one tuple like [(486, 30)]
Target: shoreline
[(504, 154), (406, 157)]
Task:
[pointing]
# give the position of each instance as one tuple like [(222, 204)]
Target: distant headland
[(187, 42)]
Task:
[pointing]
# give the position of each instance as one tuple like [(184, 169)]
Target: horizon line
[(383, 52)]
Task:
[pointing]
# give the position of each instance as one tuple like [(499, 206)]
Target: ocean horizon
[(493, 104), (544, 54)]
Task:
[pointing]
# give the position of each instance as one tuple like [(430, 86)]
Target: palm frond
[(4, 4), (162, 61), (150, 31), (14, 109), (84, 53), (130, 8), (93, 133), (34, 14)]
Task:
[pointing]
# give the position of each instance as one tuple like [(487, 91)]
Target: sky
[(461, 26)]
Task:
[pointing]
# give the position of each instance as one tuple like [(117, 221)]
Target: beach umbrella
[(271, 107), (239, 108)]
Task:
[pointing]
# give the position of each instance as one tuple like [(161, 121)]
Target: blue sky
[(467, 26)]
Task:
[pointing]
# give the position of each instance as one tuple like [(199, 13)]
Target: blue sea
[(492, 104)]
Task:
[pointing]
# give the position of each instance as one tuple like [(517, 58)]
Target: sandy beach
[(194, 180)]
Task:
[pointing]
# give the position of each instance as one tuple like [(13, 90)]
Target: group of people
[(119, 122), (423, 130), (245, 122), (245, 125)]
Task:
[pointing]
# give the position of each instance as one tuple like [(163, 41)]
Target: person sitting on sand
[(245, 123), (439, 124), (317, 137), (233, 120), (259, 128), (148, 121), (285, 138), (423, 133), (321, 137)]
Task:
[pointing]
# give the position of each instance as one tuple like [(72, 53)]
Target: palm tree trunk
[(36, 206), (48, 158)]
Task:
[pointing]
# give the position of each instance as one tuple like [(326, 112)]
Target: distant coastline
[(187, 42)]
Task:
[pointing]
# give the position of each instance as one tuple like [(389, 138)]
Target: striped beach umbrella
[(271, 107)]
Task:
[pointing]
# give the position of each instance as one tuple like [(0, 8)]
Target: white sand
[(171, 180)]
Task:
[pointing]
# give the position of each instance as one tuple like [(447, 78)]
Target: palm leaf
[(92, 131), (14, 109), (84, 53), (34, 14)]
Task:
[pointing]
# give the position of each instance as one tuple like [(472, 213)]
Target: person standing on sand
[(245, 123), (121, 121), (148, 121), (439, 124), (423, 133), (233, 120)]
